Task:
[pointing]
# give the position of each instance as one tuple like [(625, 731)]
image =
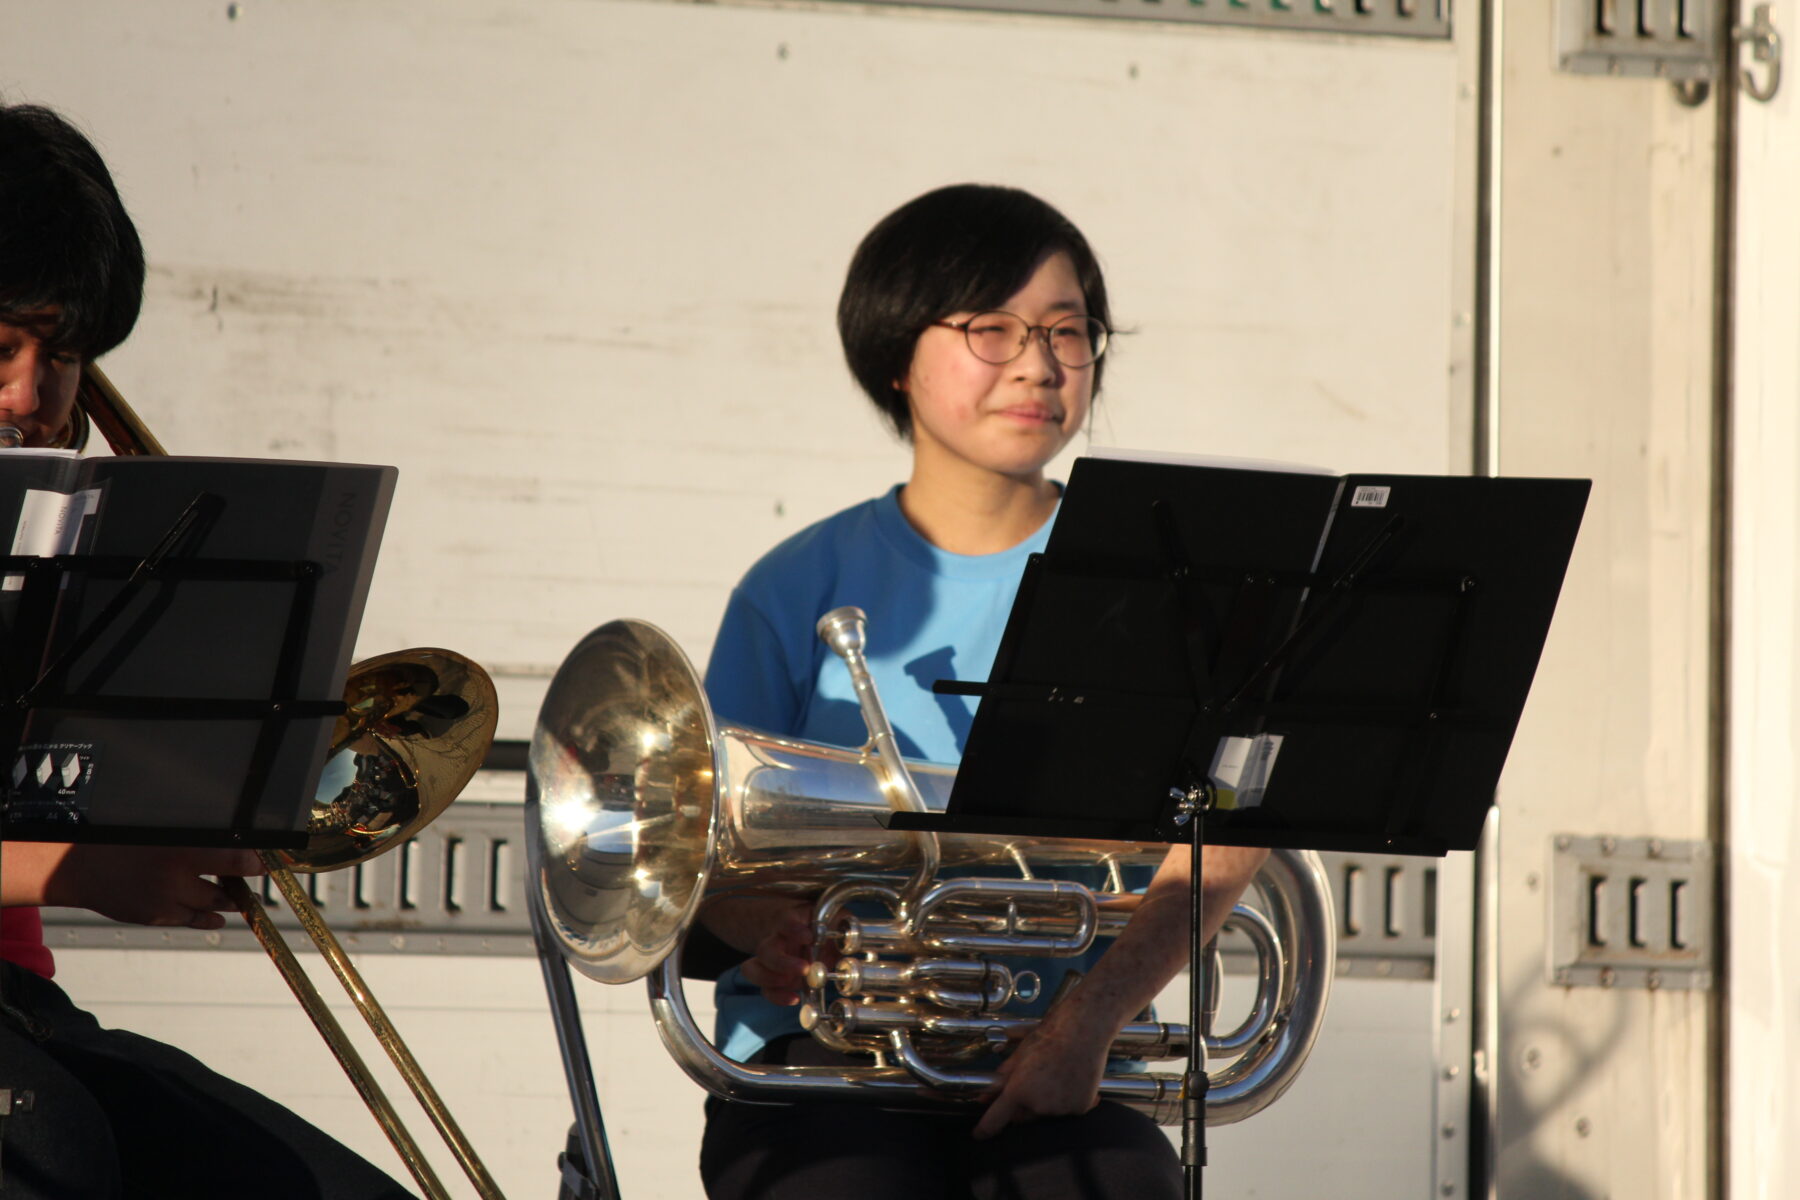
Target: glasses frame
[(1104, 340)]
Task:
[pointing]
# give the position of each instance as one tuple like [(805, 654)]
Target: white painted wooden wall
[(1605, 369), (572, 264), (1764, 904)]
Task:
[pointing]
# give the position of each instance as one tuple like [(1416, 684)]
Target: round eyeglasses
[(999, 337)]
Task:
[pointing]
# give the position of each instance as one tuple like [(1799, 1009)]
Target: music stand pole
[(13, 1100), (1193, 804)]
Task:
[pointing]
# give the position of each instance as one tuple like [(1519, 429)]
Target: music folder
[(175, 634), (1337, 662)]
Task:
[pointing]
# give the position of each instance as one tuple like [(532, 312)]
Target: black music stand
[(176, 681), (49, 793), (1264, 658)]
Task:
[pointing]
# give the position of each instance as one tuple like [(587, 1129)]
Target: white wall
[(1605, 267), (481, 1031), (1764, 853), (572, 264)]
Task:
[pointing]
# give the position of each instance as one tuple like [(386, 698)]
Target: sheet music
[(49, 525), (1225, 461)]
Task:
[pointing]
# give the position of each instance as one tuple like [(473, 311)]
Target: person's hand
[(1054, 1072), (149, 885), (776, 932)]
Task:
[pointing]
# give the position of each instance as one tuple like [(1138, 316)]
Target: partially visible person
[(113, 1114)]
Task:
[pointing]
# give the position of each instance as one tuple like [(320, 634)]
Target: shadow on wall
[(1543, 1063)]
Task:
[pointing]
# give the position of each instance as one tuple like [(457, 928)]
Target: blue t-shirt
[(932, 615)]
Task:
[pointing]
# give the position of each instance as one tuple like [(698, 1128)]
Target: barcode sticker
[(1370, 497)]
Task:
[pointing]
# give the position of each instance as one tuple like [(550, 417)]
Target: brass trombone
[(417, 726)]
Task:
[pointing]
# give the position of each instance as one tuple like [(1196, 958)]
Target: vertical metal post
[(1193, 1093), (7, 1094), (596, 1179)]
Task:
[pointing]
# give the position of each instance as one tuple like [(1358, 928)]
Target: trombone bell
[(416, 729)]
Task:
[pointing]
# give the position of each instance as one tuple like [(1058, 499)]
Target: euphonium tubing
[(416, 728), (639, 806)]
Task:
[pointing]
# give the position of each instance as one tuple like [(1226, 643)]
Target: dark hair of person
[(965, 248), (66, 242)]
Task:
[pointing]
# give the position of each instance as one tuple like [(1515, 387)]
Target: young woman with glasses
[(976, 319)]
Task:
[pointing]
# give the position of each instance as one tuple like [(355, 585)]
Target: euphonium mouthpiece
[(11, 437), (843, 629)]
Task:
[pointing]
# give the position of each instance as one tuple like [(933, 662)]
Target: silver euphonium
[(640, 806)]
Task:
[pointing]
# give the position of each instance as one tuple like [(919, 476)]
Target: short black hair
[(962, 248), (66, 242)]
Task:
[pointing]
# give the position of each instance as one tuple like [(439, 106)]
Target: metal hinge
[(1762, 44), (1631, 913)]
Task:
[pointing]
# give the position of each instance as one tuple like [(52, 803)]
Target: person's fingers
[(993, 1089), (217, 899), (222, 862), (998, 1116), (186, 899), (775, 957), (780, 951), (244, 864), (794, 932), (776, 989), (762, 974), (201, 894)]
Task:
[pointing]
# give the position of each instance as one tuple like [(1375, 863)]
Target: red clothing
[(22, 941)]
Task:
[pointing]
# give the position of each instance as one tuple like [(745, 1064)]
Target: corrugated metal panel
[(1381, 18), (459, 888)]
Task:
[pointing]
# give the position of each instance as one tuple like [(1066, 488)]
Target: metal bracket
[(1763, 43), (1631, 913), (1645, 38)]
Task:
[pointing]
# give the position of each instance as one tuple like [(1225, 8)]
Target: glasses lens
[(995, 337), (1077, 341)]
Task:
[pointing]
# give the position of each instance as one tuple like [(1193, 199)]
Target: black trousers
[(116, 1115), (817, 1151)]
